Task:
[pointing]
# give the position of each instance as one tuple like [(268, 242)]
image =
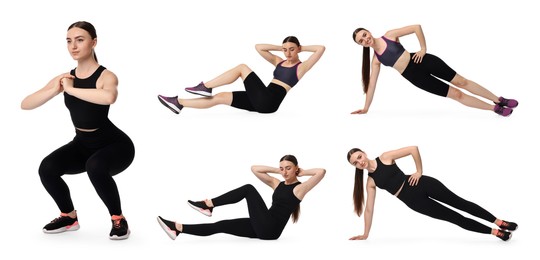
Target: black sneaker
[(61, 224), (120, 229), (504, 235), (201, 207), (169, 227), (510, 226)]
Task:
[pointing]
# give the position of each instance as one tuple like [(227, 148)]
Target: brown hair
[(365, 62), (358, 190), (291, 158), (87, 27)]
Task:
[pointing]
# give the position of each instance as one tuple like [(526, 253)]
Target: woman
[(419, 192), (99, 147), (262, 223), (257, 97), (421, 69)]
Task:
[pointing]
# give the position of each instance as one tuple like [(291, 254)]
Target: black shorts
[(427, 75), (257, 96)]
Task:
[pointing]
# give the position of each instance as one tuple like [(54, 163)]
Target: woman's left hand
[(418, 56), (413, 179), (67, 82)]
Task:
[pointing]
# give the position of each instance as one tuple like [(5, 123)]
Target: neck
[(372, 165), (288, 182), (87, 65), (292, 61)]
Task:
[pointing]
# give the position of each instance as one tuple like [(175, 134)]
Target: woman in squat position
[(99, 147)]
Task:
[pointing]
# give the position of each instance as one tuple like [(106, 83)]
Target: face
[(359, 160), (288, 170), (80, 44), (364, 38), (291, 50)]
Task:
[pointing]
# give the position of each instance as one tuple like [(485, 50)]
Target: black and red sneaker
[(62, 224), (169, 227), (510, 226), (201, 207), (120, 228)]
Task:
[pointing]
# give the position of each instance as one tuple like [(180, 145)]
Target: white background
[(161, 47)]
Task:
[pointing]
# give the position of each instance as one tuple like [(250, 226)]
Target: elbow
[(322, 48), (26, 106), (322, 172)]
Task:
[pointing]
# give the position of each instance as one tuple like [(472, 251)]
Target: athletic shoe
[(509, 226), (510, 103), (169, 227), (62, 224), (503, 111), (120, 229), (201, 90), (201, 207), (504, 235), (171, 103)]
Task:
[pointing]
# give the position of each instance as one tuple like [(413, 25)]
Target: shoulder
[(108, 76)]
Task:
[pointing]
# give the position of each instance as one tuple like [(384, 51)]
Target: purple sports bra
[(391, 54), (287, 75)]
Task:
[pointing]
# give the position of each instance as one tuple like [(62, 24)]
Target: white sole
[(170, 233), (202, 211), (62, 229), (200, 93), (169, 105)]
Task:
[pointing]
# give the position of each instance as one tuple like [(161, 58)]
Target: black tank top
[(84, 114), (284, 202), (387, 177)]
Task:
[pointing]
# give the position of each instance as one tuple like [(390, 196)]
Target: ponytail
[(358, 192), (366, 66)]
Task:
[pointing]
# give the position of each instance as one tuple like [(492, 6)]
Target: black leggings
[(102, 154), (260, 224), (426, 74), (422, 199), (257, 96)]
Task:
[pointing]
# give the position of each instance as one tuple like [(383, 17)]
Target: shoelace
[(116, 223), (499, 108), (58, 219), (505, 225)]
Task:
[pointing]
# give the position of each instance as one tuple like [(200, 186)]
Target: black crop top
[(84, 114), (284, 202), (387, 177)]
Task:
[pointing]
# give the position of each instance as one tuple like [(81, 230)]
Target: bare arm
[(105, 93), (262, 173), (265, 51), (368, 212), (40, 97), (390, 156), (416, 29), (316, 176), (318, 51), (375, 69)]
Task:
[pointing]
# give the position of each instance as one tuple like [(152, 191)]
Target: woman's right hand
[(359, 237), (360, 111)]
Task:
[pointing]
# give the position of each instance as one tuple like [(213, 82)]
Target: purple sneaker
[(171, 103), (510, 103), (503, 111), (201, 90)]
